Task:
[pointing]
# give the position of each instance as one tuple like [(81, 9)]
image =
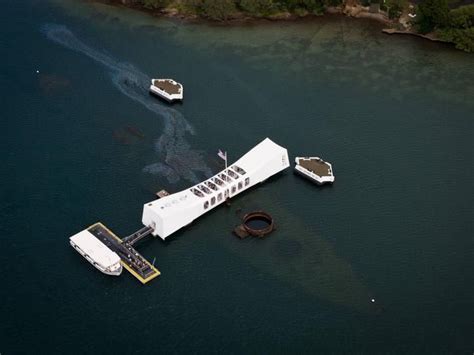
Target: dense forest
[(224, 9), (454, 25), (446, 19)]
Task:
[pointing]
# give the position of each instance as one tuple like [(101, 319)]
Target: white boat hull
[(115, 272)]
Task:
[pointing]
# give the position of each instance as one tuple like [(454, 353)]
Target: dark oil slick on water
[(179, 159), (83, 141)]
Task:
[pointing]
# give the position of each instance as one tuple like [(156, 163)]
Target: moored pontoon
[(167, 89), (314, 169)]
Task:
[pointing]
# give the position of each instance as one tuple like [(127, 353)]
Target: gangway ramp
[(130, 259), (138, 235)]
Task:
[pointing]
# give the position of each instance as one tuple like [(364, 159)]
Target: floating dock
[(167, 89), (130, 259), (315, 169)]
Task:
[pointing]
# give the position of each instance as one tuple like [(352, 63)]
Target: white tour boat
[(315, 169), (96, 252), (167, 89)]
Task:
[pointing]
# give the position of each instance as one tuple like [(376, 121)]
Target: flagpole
[(222, 155), (226, 164)]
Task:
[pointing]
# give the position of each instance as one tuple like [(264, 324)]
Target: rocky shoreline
[(429, 36), (243, 18), (240, 18)]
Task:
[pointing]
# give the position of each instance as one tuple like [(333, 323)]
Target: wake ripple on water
[(179, 159)]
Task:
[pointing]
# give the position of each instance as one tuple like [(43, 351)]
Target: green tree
[(395, 7), (462, 17), (460, 29), (155, 4), (257, 6), (432, 14), (462, 38), (333, 2), (218, 9), (190, 6), (308, 5)]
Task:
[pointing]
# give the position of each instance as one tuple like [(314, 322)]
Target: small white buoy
[(373, 300), (37, 72)]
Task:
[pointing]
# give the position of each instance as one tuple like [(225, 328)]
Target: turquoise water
[(82, 141)]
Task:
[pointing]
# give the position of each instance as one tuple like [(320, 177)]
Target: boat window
[(206, 205), (219, 197), (233, 189), (247, 181), (213, 200), (226, 193), (240, 185)]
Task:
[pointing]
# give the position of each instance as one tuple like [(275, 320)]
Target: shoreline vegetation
[(450, 21)]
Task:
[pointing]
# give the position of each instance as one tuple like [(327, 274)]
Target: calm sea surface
[(82, 141)]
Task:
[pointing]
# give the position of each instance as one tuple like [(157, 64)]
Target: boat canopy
[(96, 250)]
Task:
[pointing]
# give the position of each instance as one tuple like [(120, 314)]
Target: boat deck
[(318, 167), (131, 260), (168, 86)]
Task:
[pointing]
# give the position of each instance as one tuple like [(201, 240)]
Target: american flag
[(222, 155)]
